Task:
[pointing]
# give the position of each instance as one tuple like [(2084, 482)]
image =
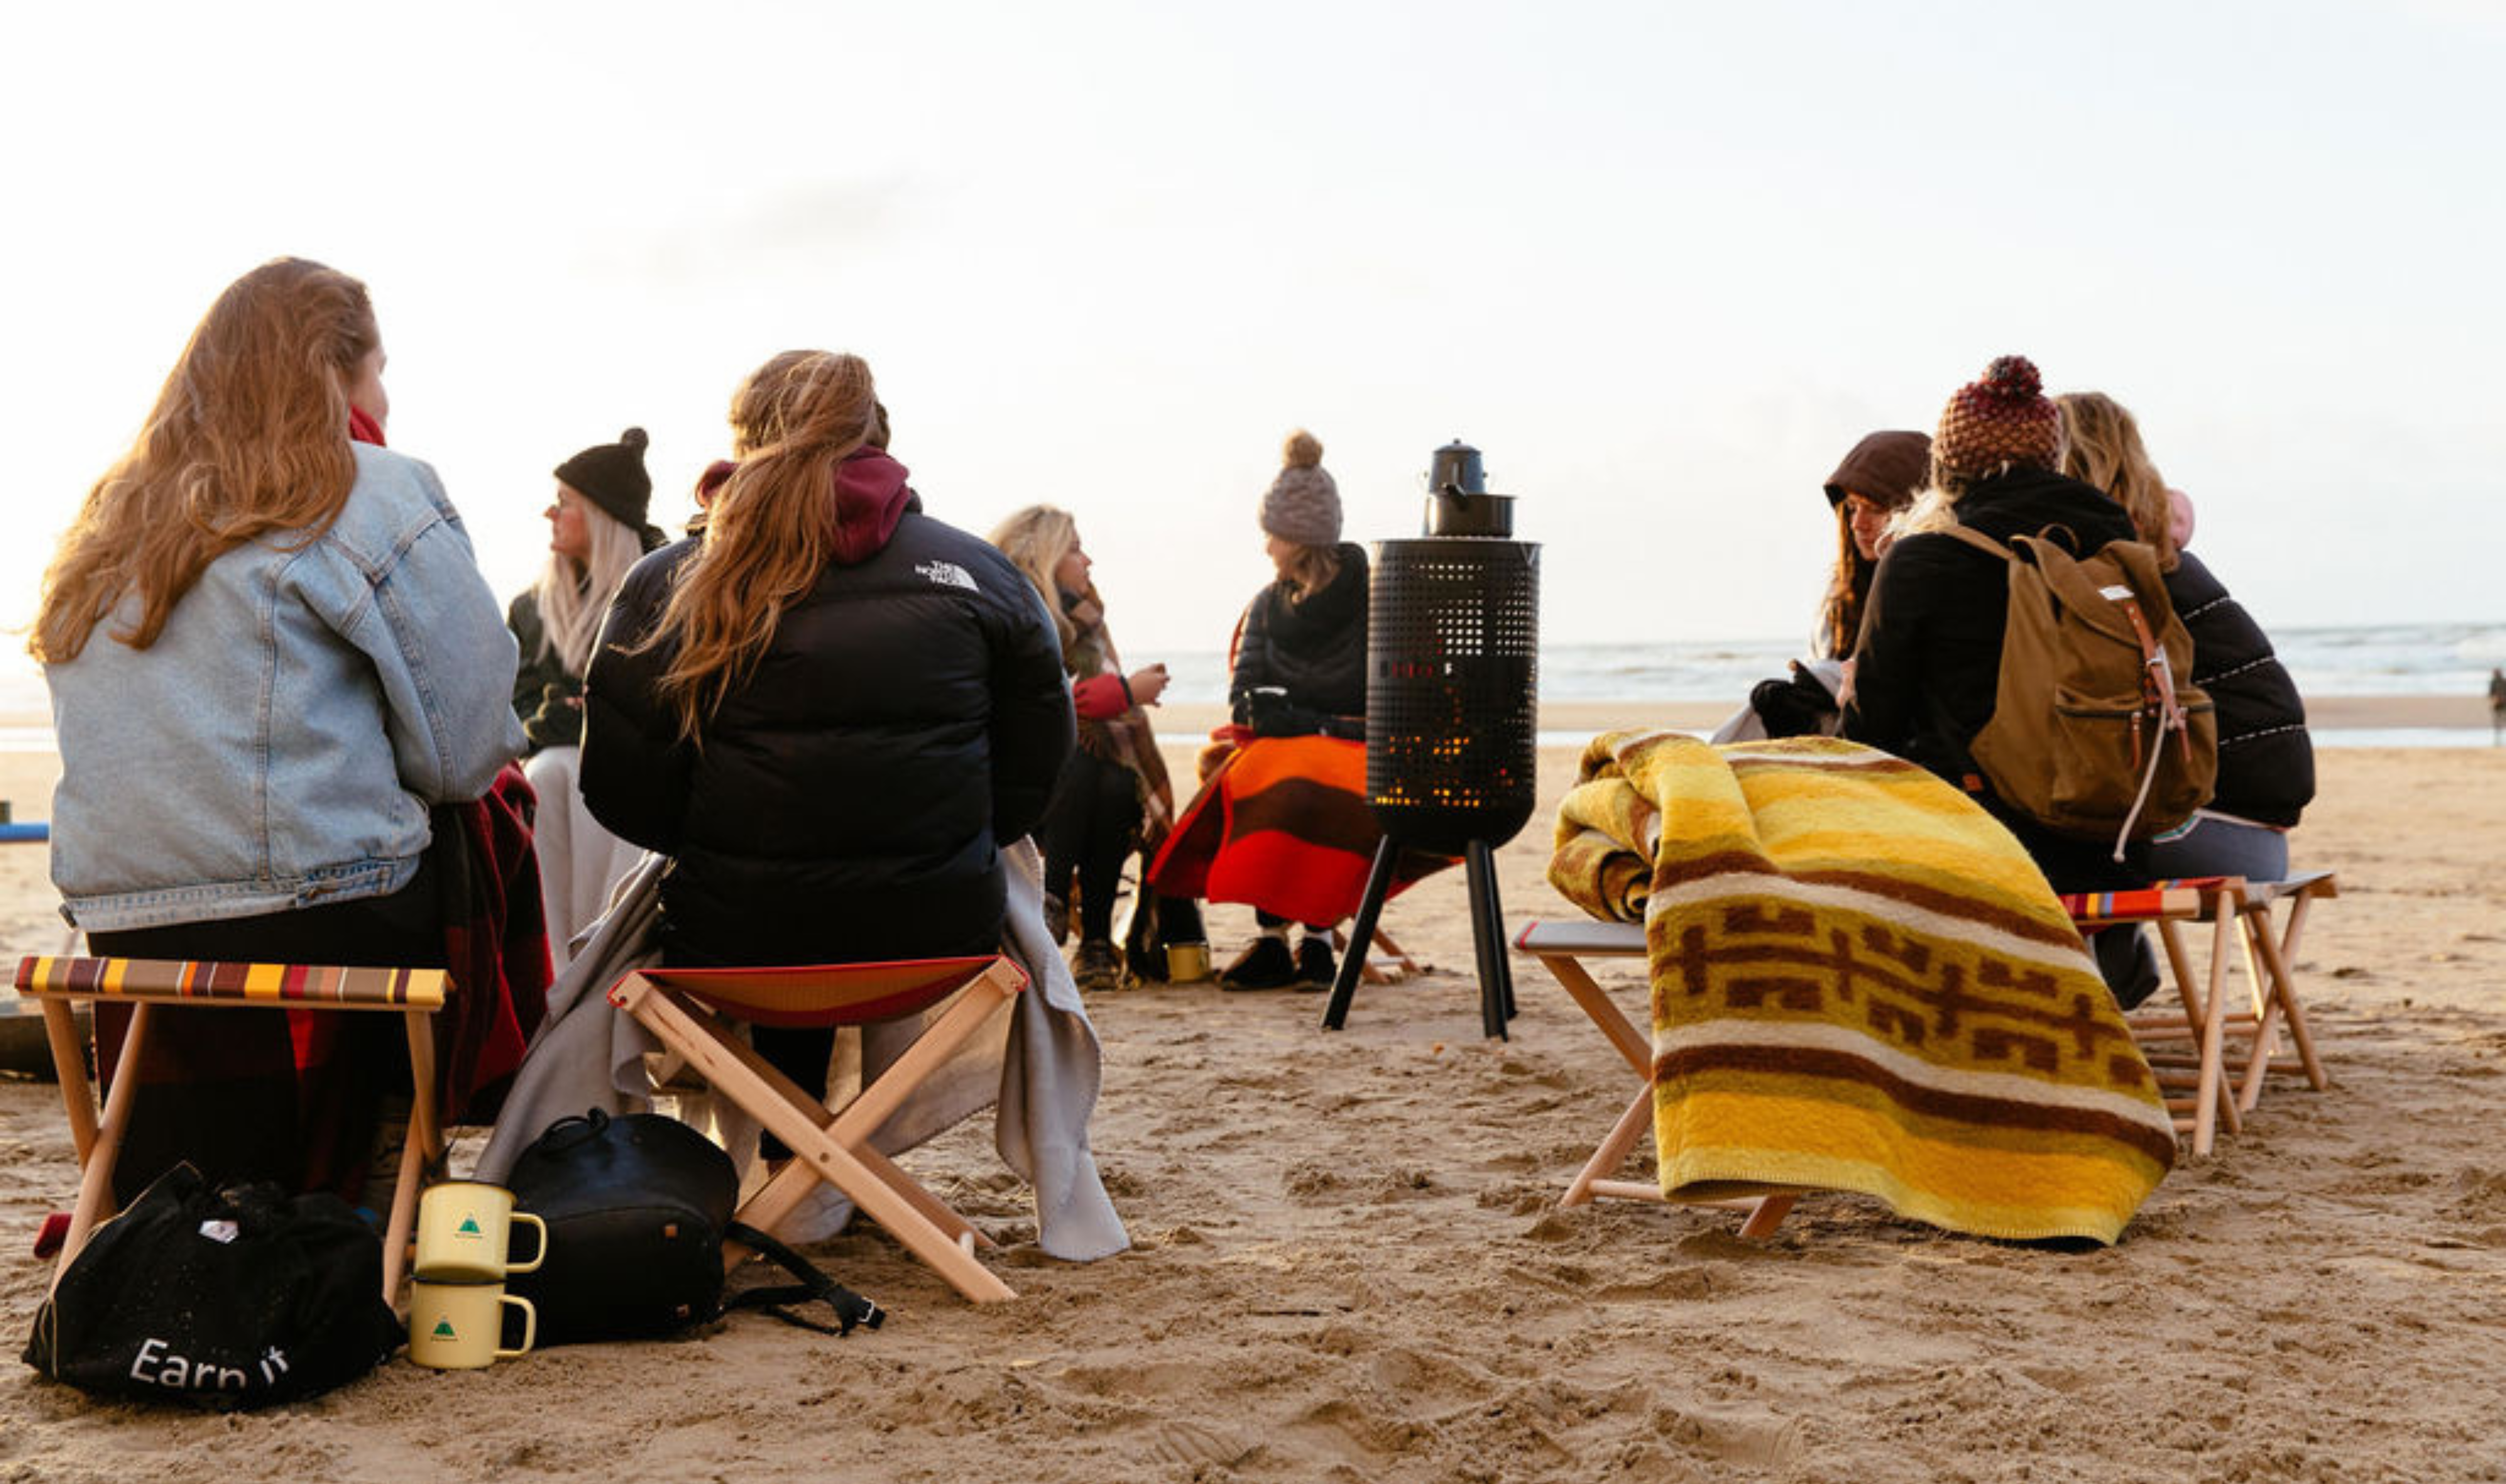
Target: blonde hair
[(249, 438), (1035, 539), (2104, 449), (769, 531), (573, 596), (1308, 570)]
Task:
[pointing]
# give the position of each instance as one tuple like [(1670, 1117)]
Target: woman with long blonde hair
[(1114, 790), (2266, 756), (597, 532), (830, 708), (270, 651)]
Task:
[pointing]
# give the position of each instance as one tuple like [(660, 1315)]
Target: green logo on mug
[(469, 1228), (444, 1330)]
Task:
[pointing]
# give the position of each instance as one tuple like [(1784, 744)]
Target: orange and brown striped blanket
[(1281, 823), (1860, 982)]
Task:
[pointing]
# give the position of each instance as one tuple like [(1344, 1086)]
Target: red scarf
[(363, 429)]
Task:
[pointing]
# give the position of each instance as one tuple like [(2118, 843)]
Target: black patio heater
[(1452, 709)]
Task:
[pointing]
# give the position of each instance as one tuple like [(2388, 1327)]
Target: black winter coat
[(1927, 669), (548, 699), (849, 802), (1316, 650), (2265, 757)]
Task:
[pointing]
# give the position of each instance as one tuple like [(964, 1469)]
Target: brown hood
[(1886, 468)]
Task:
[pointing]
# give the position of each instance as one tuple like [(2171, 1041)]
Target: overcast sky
[(1663, 263)]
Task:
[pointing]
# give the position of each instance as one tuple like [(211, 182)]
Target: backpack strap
[(1981, 542), (850, 1308)]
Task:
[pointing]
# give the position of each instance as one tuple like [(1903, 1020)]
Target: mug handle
[(530, 1325), (538, 1257)]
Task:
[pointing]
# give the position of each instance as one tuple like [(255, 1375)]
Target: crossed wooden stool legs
[(1561, 948), (682, 1005)]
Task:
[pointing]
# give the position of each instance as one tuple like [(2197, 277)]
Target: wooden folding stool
[(1561, 948), (2270, 951), (59, 984), (692, 1010), (2184, 1045)]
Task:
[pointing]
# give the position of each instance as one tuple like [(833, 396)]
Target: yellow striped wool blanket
[(1860, 982)]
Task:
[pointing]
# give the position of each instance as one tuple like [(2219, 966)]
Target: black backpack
[(240, 1296), (637, 1211)]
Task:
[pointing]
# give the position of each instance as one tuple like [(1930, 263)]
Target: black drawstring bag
[(637, 1211), (240, 1296)]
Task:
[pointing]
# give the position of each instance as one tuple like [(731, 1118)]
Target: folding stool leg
[(785, 1111), (2196, 1016), (861, 1117), (2214, 1034), (1765, 1213), (95, 1177), (1613, 1153), (69, 1067), (2275, 995), (421, 1147)]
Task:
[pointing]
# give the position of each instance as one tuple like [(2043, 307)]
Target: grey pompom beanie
[(1302, 504)]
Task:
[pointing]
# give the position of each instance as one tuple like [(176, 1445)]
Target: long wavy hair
[(2104, 449), (1035, 539), (1848, 587), (249, 439), (769, 530), (573, 596)]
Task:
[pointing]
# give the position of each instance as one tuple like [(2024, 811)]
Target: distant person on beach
[(1281, 821), (1113, 795), (1877, 478), (1927, 669), (271, 651), (596, 532), (2496, 705), (830, 708), (2266, 756)]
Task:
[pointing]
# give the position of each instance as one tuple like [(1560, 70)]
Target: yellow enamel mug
[(458, 1326), (1187, 963), (464, 1229)]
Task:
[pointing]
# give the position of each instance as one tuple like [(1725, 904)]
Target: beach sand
[(1348, 1266)]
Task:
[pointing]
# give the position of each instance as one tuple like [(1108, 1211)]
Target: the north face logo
[(949, 575)]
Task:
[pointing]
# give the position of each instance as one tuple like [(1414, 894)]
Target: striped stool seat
[(59, 983)]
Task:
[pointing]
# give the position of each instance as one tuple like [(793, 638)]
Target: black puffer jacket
[(1928, 670), (1316, 650), (850, 800), (2265, 757)]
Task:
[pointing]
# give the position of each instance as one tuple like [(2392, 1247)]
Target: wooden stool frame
[(830, 1147), (1561, 948), (60, 982)]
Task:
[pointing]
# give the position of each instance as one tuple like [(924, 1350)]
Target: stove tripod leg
[(1361, 934)]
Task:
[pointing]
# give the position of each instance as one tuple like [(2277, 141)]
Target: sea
[(2381, 659)]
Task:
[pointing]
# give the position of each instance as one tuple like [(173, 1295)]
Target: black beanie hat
[(612, 475)]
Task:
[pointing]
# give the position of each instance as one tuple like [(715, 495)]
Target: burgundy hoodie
[(871, 498)]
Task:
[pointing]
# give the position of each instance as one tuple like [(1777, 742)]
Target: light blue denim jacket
[(280, 743)]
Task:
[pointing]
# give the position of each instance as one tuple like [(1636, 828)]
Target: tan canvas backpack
[(2094, 732)]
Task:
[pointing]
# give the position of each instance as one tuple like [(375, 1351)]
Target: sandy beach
[(1348, 1266)]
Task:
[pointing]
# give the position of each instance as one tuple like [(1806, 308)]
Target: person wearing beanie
[(596, 532), (1298, 672), (1926, 667), (2265, 757), (1877, 478)]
